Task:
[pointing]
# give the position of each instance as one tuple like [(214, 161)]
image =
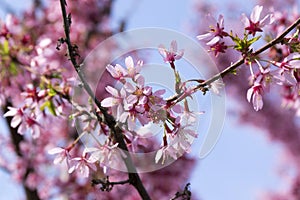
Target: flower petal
[(255, 15), (129, 62)]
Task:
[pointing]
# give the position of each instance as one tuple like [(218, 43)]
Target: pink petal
[(255, 15), (213, 41), (129, 62), (221, 21), (131, 99), (12, 111), (72, 169), (123, 117), (55, 150), (179, 54), (249, 94), (131, 123), (17, 119), (257, 102), (112, 71), (22, 129), (140, 80), (158, 155), (147, 90), (159, 92), (108, 102), (112, 91), (245, 20), (204, 36), (129, 88), (162, 50), (173, 47)]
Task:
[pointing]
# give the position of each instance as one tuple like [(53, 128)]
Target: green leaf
[(234, 72), (50, 105), (13, 69), (252, 40), (5, 47), (52, 92)]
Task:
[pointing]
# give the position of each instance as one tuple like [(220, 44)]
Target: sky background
[(242, 164)]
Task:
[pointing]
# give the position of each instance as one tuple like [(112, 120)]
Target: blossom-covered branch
[(134, 178)]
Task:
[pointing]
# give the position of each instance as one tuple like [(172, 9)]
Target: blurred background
[(248, 162)]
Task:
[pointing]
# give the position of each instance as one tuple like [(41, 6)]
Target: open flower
[(287, 68), (118, 72), (82, 164), (25, 122), (62, 154), (17, 114), (170, 55), (216, 32), (255, 23)]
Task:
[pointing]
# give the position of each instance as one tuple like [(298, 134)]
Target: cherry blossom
[(62, 154), (118, 72), (82, 165), (255, 93), (215, 34), (255, 23), (17, 114), (170, 55)]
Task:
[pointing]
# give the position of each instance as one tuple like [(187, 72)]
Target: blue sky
[(242, 163)]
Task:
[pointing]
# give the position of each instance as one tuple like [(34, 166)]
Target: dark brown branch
[(106, 185), (134, 178), (186, 194)]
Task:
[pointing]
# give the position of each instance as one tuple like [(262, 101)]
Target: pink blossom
[(119, 72), (286, 74), (255, 93), (218, 47), (116, 100), (62, 154), (165, 152), (17, 114), (82, 164), (255, 23), (25, 122), (107, 155), (170, 55), (133, 69), (216, 33)]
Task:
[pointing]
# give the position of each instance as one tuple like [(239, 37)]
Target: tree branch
[(186, 194), (134, 178), (257, 52), (238, 63), (107, 185)]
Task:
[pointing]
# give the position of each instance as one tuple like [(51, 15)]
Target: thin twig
[(186, 194), (257, 52), (134, 178), (238, 63), (106, 185)]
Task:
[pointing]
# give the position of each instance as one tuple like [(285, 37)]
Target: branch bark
[(134, 178)]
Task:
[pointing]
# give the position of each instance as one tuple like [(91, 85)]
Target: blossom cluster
[(277, 70), (133, 102)]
